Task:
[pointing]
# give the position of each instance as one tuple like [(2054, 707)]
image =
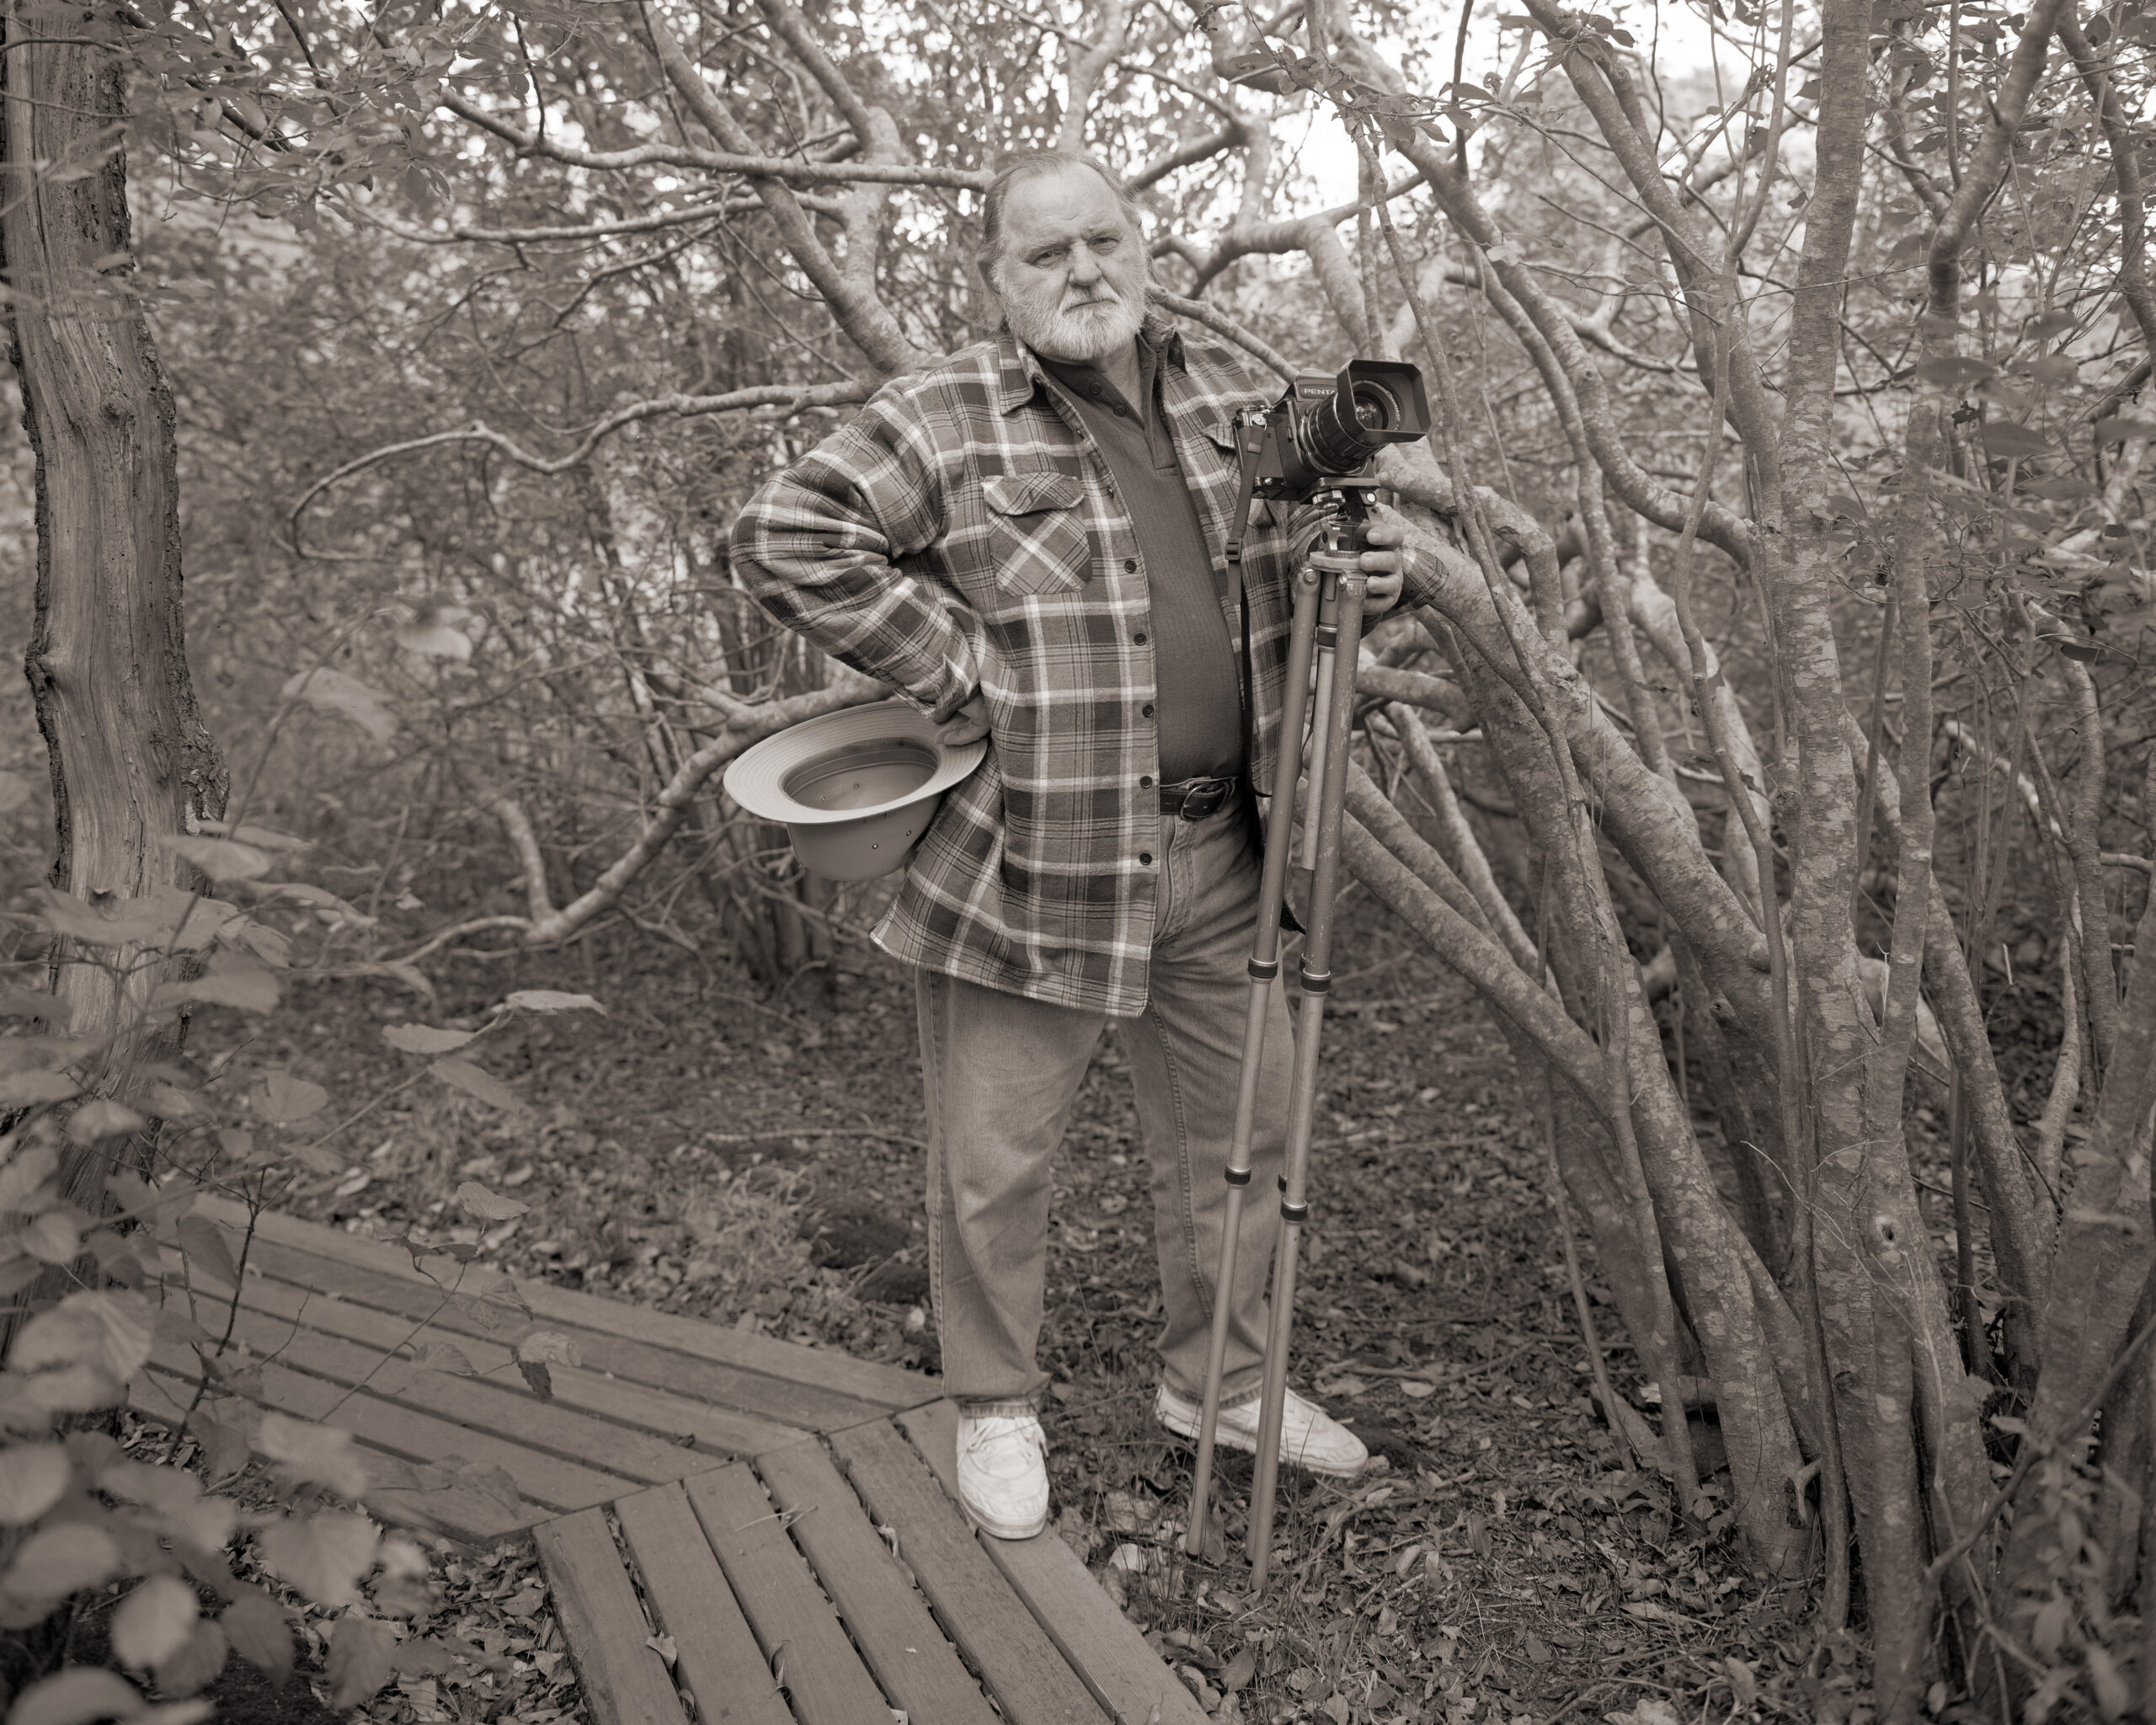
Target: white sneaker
[(1309, 1437), (1003, 1473)]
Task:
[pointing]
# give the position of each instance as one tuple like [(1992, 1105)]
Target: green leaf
[(226, 1447), (267, 944), (316, 1454), (109, 1328), (55, 1562), (76, 1696), (280, 1099), (324, 1557), (221, 859), (1954, 371), (2004, 440), (549, 1000), (101, 1117), (476, 1201), (550, 1347), (359, 1659), (28, 1089), (154, 1622), (260, 1633), (181, 922), (207, 1251), (261, 837), (475, 1081), (2121, 428), (73, 1389), (232, 978), (32, 1477), (444, 1357), (54, 1237), (196, 1664), (489, 1480), (434, 633), (424, 1038), (332, 691), (541, 1380)]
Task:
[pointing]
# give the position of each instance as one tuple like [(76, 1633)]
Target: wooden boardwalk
[(785, 1516)]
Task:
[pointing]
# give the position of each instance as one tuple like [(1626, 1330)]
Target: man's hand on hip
[(969, 723), (1388, 537)]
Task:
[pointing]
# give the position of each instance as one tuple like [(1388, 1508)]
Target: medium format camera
[(1324, 435), (1327, 430)]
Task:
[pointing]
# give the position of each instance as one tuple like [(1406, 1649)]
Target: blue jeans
[(1000, 1073)]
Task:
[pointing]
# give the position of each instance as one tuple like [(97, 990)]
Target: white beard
[(1076, 336)]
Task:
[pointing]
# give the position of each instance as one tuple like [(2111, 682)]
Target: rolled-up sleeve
[(825, 546)]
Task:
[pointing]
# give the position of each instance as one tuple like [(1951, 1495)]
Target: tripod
[(1327, 628)]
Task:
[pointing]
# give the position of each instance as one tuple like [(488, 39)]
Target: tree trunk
[(130, 761)]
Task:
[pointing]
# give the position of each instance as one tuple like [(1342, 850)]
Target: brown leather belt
[(1195, 798)]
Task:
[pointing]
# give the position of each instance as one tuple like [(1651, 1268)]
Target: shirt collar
[(1019, 368)]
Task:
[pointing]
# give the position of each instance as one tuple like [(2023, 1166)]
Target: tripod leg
[(1329, 745), (1264, 974)]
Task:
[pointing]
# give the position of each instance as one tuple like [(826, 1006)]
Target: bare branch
[(1202, 148), (792, 170), (1087, 68), (849, 291), (791, 398), (1221, 324), (787, 24), (517, 824), (669, 809)]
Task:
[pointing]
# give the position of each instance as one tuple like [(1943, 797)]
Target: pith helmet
[(855, 789)]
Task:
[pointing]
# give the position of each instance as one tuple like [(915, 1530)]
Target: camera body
[(1323, 436)]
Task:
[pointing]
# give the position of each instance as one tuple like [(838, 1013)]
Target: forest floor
[(707, 1148)]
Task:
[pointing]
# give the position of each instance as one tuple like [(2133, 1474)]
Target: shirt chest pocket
[(1036, 536)]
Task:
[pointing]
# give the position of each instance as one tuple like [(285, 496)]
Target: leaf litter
[(750, 1163)]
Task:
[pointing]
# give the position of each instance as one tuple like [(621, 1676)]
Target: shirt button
[(1139, 638), (1146, 858), (1145, 782), (1147, 709), (1130, 565)]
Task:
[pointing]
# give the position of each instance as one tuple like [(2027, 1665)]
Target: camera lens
[(1335, 442), (1376, 409)]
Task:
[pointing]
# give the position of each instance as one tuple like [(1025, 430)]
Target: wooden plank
[(824, 1676), (547, 1480), (804, 1407), (455, 1510), (717, 1652), (722, 1430), (470, 1402), (624, 1680), (917, 1667), (1101, 1644), (884, 1386), (1023, 1667)]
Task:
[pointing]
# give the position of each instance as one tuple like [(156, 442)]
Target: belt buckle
[(1205, 797)]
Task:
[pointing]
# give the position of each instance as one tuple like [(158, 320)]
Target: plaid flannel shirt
[(963, 534)]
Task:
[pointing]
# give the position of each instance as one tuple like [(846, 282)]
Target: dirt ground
[(706, 1149)]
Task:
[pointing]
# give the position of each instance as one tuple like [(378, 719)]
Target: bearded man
[(1028, 539)]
